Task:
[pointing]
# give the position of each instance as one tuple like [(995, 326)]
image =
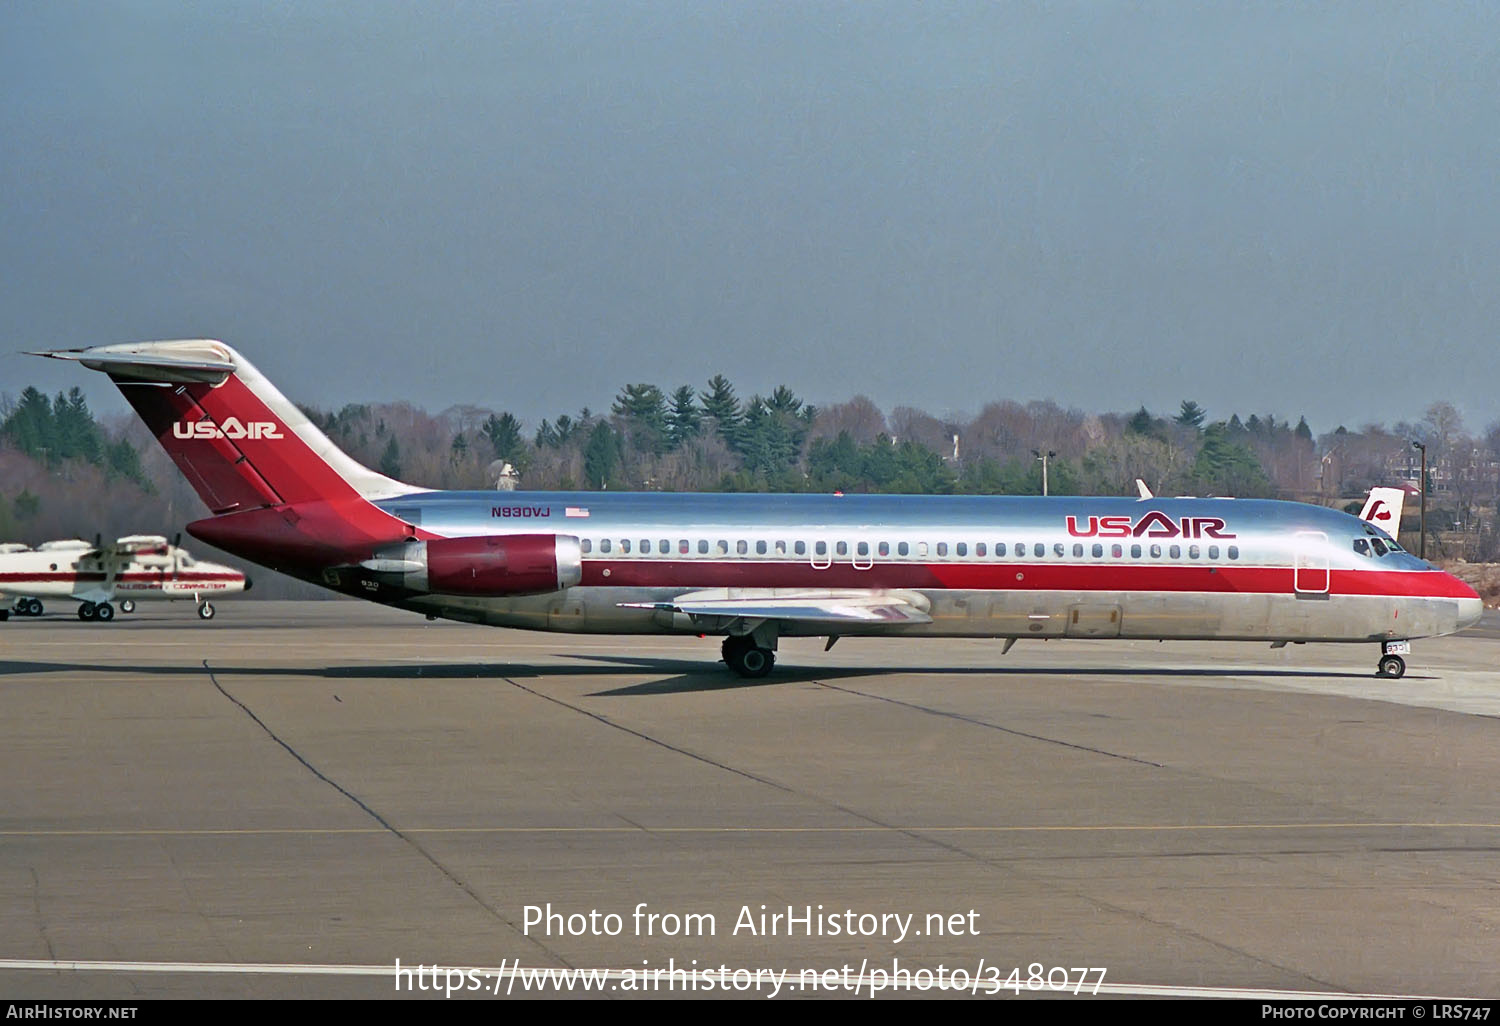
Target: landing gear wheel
[(205, 612), (747, 659), (1391, 666), (105, 612), (88, 611), (128, 606), (29, 607), (4, 615)]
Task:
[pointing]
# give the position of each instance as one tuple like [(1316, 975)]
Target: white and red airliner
[(754, 568), (138, 567)]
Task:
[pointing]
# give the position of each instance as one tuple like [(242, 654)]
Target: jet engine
[(487, 566)]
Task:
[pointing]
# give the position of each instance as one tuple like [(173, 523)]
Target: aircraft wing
[(827, 607)]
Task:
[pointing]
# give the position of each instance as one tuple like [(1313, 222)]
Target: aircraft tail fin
[(1383, 509), (240, 442)]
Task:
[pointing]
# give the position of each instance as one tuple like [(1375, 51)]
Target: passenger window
[(604, 545), (1360, 545), (742, 547), (664, 547), (1038, 550), (1135, 552), (942, 548), (1057, 550), (801, 548), (1175, 552), (1156, 552), (781, 548), (760, 548), (1116, 551), (1213, 552), (1193, 552), (999, 550), (921, 548), (645, 546), (821, 548), (979, 550), (885, 548), (961, 549), (703, 547), (723, 547), (842, 548), (903, 549), (683, 548), (625, 546), (863, 548), (587, 545), (1234, 552), (1098, 550), (1077, 550)]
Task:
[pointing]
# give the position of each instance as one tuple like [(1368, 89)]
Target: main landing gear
[(27, 607), (747, 658), (100, 611)]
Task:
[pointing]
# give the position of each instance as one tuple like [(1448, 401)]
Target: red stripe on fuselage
[(642, 573)]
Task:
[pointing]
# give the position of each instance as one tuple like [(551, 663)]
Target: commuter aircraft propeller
[(754, 568), (135, 568)]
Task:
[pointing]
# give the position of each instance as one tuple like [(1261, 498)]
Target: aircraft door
[(1310, 572)]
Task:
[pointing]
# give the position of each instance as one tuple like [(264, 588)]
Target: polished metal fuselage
[(985, 566)]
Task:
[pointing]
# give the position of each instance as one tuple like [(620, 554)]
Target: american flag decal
[(576, 511)]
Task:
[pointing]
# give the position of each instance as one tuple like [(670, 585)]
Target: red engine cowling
[(493, 565)]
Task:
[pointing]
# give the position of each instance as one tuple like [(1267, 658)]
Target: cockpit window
[(1361, 546), (1378, 546)]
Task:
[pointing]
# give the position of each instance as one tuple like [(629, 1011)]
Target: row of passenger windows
[(868, 550)]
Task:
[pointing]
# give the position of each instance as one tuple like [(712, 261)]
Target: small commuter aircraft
[(138, 567), (755, 568)]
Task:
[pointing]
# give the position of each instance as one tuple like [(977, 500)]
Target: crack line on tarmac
[(36, 908), (377, 817), (915, 834), (985, 723)]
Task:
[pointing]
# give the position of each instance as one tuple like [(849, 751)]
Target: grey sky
[(1268, 208)]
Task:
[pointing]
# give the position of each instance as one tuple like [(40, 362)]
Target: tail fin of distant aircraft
[(245, 447), (1383, 509)]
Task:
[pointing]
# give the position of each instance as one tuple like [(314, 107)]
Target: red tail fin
[(240, 442)]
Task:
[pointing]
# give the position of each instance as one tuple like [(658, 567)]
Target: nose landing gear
[(1391, 664)]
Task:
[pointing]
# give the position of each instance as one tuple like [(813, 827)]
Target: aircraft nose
[(1470, 605), (248, 582)]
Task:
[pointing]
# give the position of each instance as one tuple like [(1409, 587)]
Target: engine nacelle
[(491, 565)]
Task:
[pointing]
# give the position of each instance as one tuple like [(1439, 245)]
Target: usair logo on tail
[(231, 428)]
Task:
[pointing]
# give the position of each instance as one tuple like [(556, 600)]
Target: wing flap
[(830, 607)]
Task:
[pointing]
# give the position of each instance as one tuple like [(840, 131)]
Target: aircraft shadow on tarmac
[(681, 675)]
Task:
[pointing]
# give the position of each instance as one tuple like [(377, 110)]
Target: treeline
[(55, 431), (57, 462)]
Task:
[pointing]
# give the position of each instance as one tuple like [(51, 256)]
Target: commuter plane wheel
[(205, 612), (746, 659), (87, 611), (105, 612), (128, 606), (1392, 666)]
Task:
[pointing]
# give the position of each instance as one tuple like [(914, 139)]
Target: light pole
[(1043, 460), (1422, 516)]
